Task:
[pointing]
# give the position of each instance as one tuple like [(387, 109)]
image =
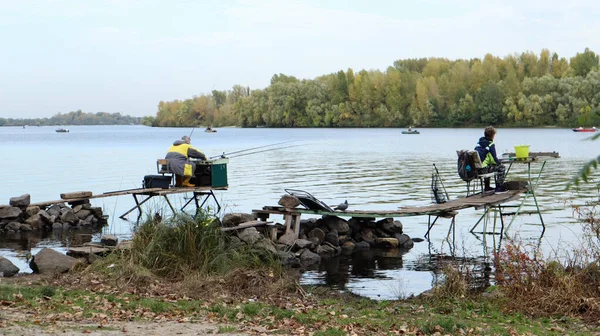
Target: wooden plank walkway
[(475, 201), (138, 191)]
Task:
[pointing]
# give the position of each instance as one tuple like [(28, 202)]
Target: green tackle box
[(212, 173)]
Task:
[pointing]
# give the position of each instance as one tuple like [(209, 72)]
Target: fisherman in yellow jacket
[(179, 156)]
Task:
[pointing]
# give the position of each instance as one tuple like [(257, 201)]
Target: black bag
[(157, 181), (466, 166)]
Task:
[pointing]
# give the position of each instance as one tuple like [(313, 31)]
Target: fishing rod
[(266, 150), (192, 132), (249, 149), (441, 182)]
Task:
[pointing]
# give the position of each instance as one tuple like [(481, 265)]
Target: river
[(374, 169)]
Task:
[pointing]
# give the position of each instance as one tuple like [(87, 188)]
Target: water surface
[(374, 169)]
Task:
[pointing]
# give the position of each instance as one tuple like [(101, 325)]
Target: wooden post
[(296, 219)]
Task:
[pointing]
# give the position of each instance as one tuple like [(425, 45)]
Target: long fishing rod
[(249, 149), (266, 150), (192, 132), (441, 182)]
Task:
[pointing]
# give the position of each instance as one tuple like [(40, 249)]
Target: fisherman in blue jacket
[(489, 160)]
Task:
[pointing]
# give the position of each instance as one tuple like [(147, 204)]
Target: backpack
[(466, 166)]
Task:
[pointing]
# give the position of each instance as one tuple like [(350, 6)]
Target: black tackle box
[(157, 181)]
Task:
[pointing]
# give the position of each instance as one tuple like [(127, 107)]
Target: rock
[(368, 236), (337, 250), (308, 224), (82, 214), (325, 251), (81, 238), (235, 241), (332, 237), (26, 227), (78, 208), (336, 223), (91, 258), (85, 251), (54, 210), (13, 226), (363, 245), (7, 268), (266, 245), (288, 201), (249, 235), (32, 210), (409, 244), (288, 239), (45, 217), (49, 261), (317, 233), (387, 242), (109, 240), (308, 258), (381, 233), (347, 247), (417, 239), (20, 201), (97, 211), (315, 242), (300, 244), (288, 259), (390, 226), (68, 216), (57, 226), (10, 212), (402, 239), (234, 219), (35, 221)]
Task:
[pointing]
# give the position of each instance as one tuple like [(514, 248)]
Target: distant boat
[(411, 131), (62, 130), (584, 129), (210, 130)]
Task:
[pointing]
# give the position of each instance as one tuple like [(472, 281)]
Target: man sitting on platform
[(487, 153), (179, 161)]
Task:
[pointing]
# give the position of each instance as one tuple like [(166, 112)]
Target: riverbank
[(35, 305)]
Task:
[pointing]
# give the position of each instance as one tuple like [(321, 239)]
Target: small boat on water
[(584, 129), (411, 131), (210, 130), (62, 130)]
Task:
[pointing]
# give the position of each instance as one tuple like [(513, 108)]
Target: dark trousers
[(500, 174)]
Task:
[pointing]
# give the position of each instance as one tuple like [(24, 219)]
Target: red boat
[(582, 129)]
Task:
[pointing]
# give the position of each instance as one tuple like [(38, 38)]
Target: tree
[(489, 104), (584, 62)]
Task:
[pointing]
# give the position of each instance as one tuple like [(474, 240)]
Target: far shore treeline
[(523, 90), (75, 118)]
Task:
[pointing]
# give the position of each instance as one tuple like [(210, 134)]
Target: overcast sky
[(127, 55)]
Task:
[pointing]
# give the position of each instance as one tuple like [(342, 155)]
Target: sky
[(127, 55)]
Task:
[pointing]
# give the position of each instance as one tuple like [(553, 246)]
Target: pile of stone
[(49, 261), (21, 216), (321, 238)]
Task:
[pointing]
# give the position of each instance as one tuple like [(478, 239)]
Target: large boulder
[(35, 221), (368, 236), (20, 201), (402, 239), (288, 239), (7, 268), (387, 242), (300, 244), (363, 245), (50, 261), (109, 240), (325, 251), (54, 210), (333, 238), (12, 226), (318, 234), (308, 258), (10, 212), (249, 235), (288, 201), (336, 223), (32, 210), (83, 214), (68, 216), (390, 226), (234, 219), (265, 244)]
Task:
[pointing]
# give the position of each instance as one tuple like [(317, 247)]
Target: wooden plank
[(245, 225), (76, 194)]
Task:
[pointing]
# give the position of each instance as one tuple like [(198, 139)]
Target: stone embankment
[(319, 238), (21, 216)]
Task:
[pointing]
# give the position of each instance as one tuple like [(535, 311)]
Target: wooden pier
[(448, 209), (148, 193)]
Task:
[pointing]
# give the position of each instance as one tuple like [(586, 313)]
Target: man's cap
[(186, 138)]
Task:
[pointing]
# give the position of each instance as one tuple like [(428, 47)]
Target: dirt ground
[(15, 323), (120, 328)]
